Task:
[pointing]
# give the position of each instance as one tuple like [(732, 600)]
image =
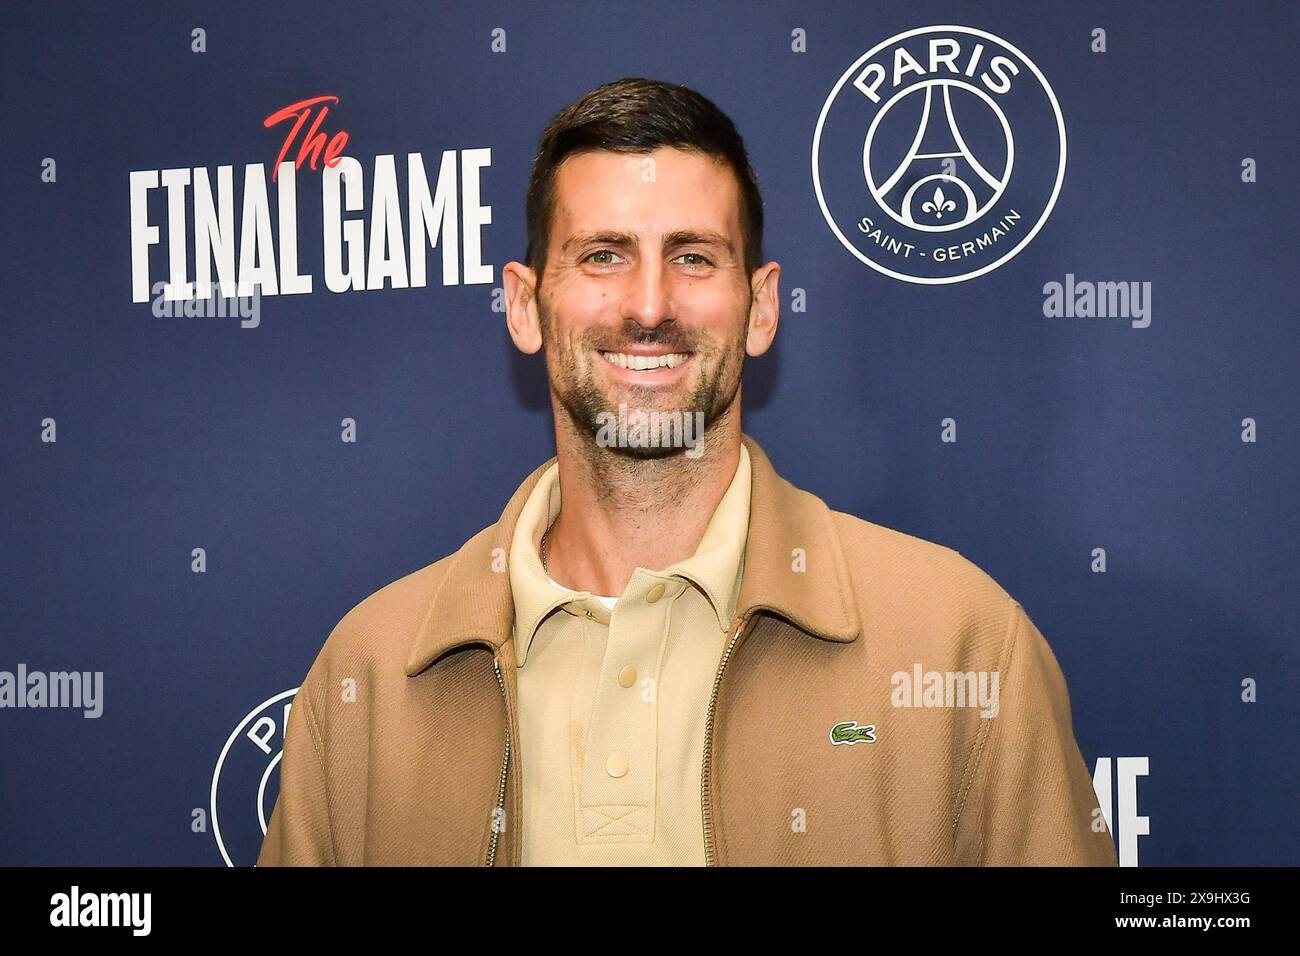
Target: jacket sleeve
[(1028, 797), (299, 833)]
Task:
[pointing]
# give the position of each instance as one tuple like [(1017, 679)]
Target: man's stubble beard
[(717, 384)]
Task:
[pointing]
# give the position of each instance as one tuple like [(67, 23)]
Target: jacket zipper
[(498, 817), (708, 746)]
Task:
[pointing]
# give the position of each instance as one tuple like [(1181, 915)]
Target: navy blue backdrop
[(1164, 445)]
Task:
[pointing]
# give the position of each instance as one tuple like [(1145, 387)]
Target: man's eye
[(603, 252), (700, 260)]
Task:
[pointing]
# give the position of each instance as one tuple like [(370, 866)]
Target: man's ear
[(522, 318), (764, 308)]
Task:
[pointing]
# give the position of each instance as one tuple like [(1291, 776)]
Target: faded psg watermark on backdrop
[(245, 781)]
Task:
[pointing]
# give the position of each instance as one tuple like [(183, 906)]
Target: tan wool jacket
[(880, 701)]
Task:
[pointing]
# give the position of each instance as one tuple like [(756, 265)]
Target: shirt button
[(627, 676), (616, 765), (655, 594), (589, 614)]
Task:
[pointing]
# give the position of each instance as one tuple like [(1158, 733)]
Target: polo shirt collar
[(716, 567)]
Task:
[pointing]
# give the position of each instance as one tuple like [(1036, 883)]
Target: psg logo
[(245, 783), (939, 154)]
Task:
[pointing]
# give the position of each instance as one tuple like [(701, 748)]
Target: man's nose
[(649, 295)]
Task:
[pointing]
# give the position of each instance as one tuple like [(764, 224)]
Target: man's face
[(645, 267)]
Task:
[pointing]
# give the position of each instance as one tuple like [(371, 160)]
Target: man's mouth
[(645, 363)]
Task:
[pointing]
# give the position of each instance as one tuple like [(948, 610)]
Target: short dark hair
[(636, 115)]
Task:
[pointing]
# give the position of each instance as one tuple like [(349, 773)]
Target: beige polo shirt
[(612, 700)]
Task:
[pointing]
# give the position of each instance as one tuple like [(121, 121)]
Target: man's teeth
[(645, 362)]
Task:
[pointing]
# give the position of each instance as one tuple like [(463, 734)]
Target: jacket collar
[(788, 527)]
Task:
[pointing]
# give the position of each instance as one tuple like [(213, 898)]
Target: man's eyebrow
[(598, 238), (678, 237), (693, 237)]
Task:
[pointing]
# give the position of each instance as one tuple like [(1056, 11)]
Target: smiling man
[(663, 653)]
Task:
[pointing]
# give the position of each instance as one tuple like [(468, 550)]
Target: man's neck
[(618, 513)]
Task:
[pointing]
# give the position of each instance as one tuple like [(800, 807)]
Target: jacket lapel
[(472, 604), (791, 529)]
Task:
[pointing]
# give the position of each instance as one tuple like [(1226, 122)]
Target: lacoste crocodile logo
[(848, 732)]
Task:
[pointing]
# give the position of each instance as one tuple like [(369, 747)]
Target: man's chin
[(648, 432), (627, 401)]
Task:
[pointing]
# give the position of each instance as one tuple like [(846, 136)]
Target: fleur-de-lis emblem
[(938, 205)]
